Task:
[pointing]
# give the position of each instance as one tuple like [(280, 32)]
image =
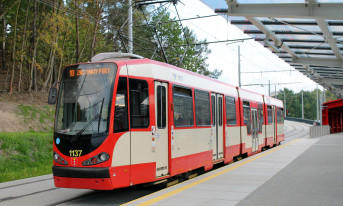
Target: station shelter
[(333, 115)]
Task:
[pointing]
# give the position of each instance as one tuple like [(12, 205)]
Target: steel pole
[(269, 87), (317, 104), (302, 104), (239, 66), (284, 97), (130, 25)]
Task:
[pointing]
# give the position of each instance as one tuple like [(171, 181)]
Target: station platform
[(299, 172)]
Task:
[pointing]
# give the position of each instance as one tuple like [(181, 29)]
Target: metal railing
[(318, 131), (307, 121)]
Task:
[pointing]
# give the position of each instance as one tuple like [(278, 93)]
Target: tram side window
[(220, 111), (246, 113), (270, 115), (202, 108), (139, 103), (230, 111), (120, 116), (183, 107), (260, 117), (161, 107), (280, 118), (213, 100)]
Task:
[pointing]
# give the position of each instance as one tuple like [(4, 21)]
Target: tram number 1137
[(75, 153)]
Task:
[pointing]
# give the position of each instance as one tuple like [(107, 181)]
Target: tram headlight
[(59, 159), (103, 157), (100, 158)]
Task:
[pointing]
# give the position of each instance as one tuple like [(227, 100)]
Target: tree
[(170, 42), (39, 38), (293, 101), (13, 50)]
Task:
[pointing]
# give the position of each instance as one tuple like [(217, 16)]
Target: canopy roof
[(307, 34)]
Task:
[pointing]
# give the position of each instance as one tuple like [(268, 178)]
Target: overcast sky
[(254, 57)]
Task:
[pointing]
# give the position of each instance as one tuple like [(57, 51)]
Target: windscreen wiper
[(85, 127), (102, 105)]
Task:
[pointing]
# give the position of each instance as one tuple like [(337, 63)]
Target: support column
[(130, 25), (239, 66), (317, 105)]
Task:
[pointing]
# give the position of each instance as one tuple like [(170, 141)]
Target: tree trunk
[(85, 42), (10, 90), (77, 33), (4, 45), (22, 47), (45, 84), (34, 50), (50, 66), (3, 48), (98, 12), (49, 62), (61, 60)]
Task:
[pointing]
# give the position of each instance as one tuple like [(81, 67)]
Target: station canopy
[(307, 34)]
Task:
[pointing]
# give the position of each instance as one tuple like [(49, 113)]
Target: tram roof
[(307, 34)]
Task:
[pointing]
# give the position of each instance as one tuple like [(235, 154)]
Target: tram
[(123, 120)]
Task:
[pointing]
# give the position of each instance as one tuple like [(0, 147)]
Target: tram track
[(71, 199), (46, 194), (26, 183), (21, 196), (299, 130)]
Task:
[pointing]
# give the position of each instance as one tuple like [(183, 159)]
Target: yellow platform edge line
[(183, 188)]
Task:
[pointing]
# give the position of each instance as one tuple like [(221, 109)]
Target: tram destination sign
[(81, 72)]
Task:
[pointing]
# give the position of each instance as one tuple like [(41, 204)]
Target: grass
[(44, 114), (24, 155)]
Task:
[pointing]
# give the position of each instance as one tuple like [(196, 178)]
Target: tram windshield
[(85, 95)]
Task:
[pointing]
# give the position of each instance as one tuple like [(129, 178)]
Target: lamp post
[(302, 104), (284, 97), (239, 66), (130, 43)]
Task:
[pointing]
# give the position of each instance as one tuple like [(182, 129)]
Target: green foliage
[(24, 155), (180, 45), (56, 24), (293, 102)]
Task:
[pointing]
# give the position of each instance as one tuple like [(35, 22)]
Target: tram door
[(160, 135), (217, 126), (254, 134)]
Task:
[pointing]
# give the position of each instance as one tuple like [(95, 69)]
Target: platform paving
[(314, 178), (301, 172)]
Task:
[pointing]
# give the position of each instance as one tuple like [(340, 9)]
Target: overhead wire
[(224, 58), (187, 19), (252, 62), (161, 6), (265, 56), (82, 12)]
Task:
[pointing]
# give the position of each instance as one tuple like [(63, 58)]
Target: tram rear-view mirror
[(52, 96)]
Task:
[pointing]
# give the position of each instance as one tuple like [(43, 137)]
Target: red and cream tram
[(123, 120)]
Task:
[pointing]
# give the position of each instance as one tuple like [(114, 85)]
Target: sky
[(254, 57)]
